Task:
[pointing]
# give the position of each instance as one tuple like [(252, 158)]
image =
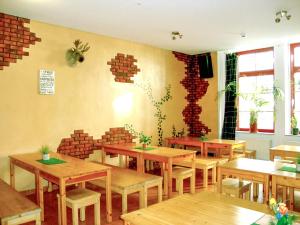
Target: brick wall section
[(196, 88), (79, 145), (123, 67), (14, 37)]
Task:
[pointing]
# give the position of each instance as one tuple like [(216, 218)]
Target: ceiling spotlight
[(281, 14), (176, 34), (243, 34)]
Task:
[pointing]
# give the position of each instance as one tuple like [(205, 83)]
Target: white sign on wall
[(47, 82)]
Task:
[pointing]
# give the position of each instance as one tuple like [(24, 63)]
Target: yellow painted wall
[(84, 95)]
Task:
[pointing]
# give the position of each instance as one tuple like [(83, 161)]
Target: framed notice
[(47, 82)]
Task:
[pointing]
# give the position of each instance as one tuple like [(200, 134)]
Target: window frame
[(294, 69), (256, 73)]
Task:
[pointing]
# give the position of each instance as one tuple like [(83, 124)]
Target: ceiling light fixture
[(176, 34), (281, 14)]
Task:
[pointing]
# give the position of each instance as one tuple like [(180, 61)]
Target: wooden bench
[(16, 208), (181, 173), (251, 154), (205, 164), (126, 181), (236, 187)]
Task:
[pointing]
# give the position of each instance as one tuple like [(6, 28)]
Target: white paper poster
[(47, 82)]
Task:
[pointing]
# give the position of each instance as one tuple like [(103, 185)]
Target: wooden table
[(258, 171), (284, 151), (186, 141), (15, 208), (199, 209), (223, 145), (166, 156), (71, 172)]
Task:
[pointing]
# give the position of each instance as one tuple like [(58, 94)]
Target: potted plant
[(76, 54), (294, 124), (145, 140), (45, 150), (298, 164)]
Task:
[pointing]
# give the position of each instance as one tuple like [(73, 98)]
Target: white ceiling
[(207, 25)]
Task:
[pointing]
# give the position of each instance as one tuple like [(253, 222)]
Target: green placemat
[(51, 161), (288, 169), (145, 149)]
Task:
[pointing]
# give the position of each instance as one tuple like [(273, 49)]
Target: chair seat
[(235, 186), (81, 194), (181, 172)]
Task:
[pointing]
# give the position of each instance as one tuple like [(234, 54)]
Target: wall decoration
[(160, 116), (196, 88), (14, 37), (47, 82), (123, 67), (76, 53)]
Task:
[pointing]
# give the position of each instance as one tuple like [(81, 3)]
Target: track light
[(281, 14), (176, 34)]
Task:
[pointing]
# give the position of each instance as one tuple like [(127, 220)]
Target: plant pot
[(144, 146), (295, 131), (253, 128), (298, 167), (46, 156)]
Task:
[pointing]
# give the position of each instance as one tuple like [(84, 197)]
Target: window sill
[(258, 133), (291, 135)]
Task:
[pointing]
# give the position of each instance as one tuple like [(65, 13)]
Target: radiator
[(261, 146)]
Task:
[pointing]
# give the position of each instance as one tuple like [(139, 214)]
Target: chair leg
[(143, 197), (193, 183), (291, 196), (177, 184), (38, 219), (82, 213), (124, 202), (75, 215), (180, 184), (97, 213), (205, 177), (59, 210), (214, 175), (159, 190)]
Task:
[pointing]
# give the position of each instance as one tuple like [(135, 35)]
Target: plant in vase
[(281, 213), (298, 164), (45, 150), (294, 125), (145, 140)]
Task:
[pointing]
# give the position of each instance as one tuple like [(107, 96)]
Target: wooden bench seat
[(16, 208), (251, 154), (126, 181), (205, 164)]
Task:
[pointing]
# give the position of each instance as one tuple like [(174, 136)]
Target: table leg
[(39, 192), (272, 155), (274, 187), (170, 163), (205, 150), (193, 178), (140, 163), (12, 174), (62, 202), (214, 175), (205, 177), (103, 156), (219, 180), (244, 149), (266, 189), (108, 196)]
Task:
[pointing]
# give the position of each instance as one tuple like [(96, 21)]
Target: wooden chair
[(79, 199), (126, 181), (181, 173), (15, 208), (236, 187)]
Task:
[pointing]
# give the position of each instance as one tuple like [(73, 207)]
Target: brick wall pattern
[(123, 67), (196, 88), (14, 37)]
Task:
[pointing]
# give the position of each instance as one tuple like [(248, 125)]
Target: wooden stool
[(233, 186), (251, 154), (79, 199), (181, 173)]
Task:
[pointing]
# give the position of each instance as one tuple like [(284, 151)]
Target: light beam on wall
[(123, 104)]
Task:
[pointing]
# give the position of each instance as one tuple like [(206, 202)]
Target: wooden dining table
[(166, 156), (199, 209), (186, 141), (258, 171), (72, 171), (284, 151), (223, 145)]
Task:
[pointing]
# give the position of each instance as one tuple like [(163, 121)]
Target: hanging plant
[(76, 54)]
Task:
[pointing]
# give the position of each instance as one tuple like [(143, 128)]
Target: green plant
[(298, 159), (144, 139), (76, 54), (294, 122), (160, 116), (176, 133), (45, 149)]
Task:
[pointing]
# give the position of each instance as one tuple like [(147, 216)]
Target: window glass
[(265, 120), (246, 62), (264, 60), (297, 56)]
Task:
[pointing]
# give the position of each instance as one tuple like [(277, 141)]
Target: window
[(255, 88), (295, 81)]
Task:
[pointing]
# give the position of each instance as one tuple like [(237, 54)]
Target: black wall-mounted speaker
[(205, 66)]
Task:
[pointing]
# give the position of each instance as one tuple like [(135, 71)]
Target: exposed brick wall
[(196, 88), (14, 37), (123, 67), (81, 145)]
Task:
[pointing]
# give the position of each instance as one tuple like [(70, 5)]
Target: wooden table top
[(288, 148), (199, 209), (225, 141), (13, 203), (72, 166), (286, 173), (252, 165)]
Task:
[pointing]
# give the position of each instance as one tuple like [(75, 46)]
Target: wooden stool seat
[(235, 156), (181, 173), (251, 154), (79, 199), (236, 187), (126, 181)]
